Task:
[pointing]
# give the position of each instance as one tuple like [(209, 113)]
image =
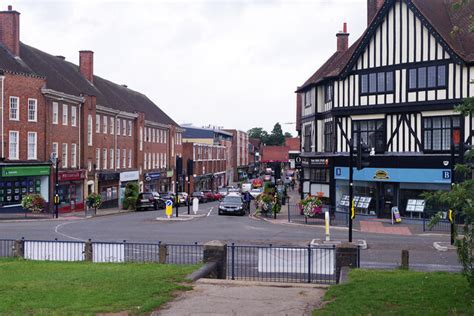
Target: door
[(387, 199)]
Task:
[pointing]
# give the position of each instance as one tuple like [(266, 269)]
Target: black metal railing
[(6, 247), (185, 254), (337, 217), (282, 264)]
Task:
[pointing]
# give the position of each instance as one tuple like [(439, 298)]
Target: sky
[(234, 64)]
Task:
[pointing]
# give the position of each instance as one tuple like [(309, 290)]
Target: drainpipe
[(2, 78)]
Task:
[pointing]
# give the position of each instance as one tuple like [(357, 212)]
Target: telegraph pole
[(351, 192)]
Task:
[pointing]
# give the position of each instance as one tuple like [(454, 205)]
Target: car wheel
[(219, 213)]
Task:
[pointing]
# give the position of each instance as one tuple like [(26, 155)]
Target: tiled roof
[(64, 76), (439, 13), (293, 143), (274, 153)]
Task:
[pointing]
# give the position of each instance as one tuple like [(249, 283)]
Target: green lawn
[(373, 292), (80, 288)]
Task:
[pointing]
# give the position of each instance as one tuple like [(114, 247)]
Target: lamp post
[(55, 161)]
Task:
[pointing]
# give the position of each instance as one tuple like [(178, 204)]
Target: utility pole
[(351, 192)]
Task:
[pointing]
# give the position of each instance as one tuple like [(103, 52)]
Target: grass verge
[(398, 292), (80, 288)]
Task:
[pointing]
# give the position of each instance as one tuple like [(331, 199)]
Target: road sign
[(169, 208)]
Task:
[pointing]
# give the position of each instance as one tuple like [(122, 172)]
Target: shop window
[(378, 82), (439, 132), (431, 77), (12, 189), (370, 132)]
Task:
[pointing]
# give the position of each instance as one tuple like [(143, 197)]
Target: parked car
[(223, 192), (145, 201), (200, 196), (159, 202), (232, 204), (183, 198), (234, 190), (217, 196), (256, 192), (209, 195), (168, 196)]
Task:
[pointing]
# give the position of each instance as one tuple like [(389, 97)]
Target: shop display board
[(359, 201), (12, 190), (417, 206)]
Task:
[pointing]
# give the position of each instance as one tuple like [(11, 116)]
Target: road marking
[(208, 214), (65, 235)]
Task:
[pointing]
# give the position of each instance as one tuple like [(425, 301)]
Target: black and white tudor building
[(395, 89)]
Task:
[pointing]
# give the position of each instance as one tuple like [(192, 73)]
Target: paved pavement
[(220, 297)]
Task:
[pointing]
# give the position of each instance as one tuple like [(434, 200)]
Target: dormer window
[(328, 92), (376, 83)]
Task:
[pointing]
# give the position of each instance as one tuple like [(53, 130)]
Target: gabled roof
[(438, 13), (293, 143), (274, 153), (64, 76)]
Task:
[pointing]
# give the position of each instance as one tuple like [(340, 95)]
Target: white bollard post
[(195, 205), (326, 219)]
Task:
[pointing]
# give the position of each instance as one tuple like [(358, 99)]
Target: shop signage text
[(395, 175), (71, 175), (26, 171), (129, 176), (109, 176), (152, 176)]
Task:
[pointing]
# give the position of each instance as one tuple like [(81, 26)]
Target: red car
[(209, 196)]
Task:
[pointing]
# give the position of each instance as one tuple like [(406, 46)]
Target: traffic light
[(363, 154), (179, 165)]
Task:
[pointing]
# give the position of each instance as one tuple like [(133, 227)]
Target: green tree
[(259, 133), (288, 135), (276, 137), (131, 195)]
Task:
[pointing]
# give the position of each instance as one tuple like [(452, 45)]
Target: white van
[(246, 187)]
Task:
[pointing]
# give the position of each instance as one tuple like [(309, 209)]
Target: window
[(124, 154), (153, 135), (328, 130), (32, 108), (165, 135), (14, 108), (112, 125), (439, 132), (97, 123), (65, 114), (370, 132), (130, 158), (73, 115), (165, 161), (318, 174), (118, 127), (13, 145), (104, 124), (307, 99), (112, 158), (64, 156), (124, 128), (379, 82), (129, 128), (32, 145), (104, 158), (97, 158), (328, 92), (89, 130), (55, 113), (146, 134), (145, 161), (73, 156), (56, 149), (307, 138), (431, 77), (117, 158), (153, 159), (141, 138)]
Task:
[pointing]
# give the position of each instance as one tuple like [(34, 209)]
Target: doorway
[(387, 198)]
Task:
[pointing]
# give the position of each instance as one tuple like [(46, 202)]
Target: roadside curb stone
[(443, 246), (181, 218)]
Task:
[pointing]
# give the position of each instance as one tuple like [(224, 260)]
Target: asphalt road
[(383, 250)]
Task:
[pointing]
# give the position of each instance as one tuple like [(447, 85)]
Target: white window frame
[(118, 127), (124, 127), (112, 158), (97, 123), (55, 113), (73, 155), (130, 158), (55, 149), (141, 138), (89, 130), (130, 128), (146, 134), (124, 154), (145, 161), (16, 117), (73, 115), (32, 153), (32, 108), (112, 125), (65, 114), (165, 161), (105, 121), (117, 158), (13, 155), (104, 158), (97, 158), (64, 155)]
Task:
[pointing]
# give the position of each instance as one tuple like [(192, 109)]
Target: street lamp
[(54, 159)]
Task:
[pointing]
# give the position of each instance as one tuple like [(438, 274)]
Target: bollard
[(88, 250), (162, 253), (216, 251), (405, 260)]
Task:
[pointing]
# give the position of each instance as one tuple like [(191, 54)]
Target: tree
[(259, 133), (276, 137), (288, 135)]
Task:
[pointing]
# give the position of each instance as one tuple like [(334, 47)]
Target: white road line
[(208, 214), (67, 236)]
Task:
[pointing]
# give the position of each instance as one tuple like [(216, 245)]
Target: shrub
[(94, 200), (34, 203), (131, 196), (311, 206)]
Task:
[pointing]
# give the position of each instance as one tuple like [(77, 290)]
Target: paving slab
[(245, 298)]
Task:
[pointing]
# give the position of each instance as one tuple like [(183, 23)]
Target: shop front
[(19, 180), (378, 190), (316, 177), (108, 188), (71, 190), (125, 178)]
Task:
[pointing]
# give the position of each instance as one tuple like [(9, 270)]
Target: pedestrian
[(292, 184), (247, 198)]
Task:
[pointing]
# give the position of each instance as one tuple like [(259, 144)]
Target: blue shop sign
[(150, 176), (395, 175)]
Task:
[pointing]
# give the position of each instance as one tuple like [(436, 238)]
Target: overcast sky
[(226, 63)]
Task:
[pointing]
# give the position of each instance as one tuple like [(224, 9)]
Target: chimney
[(10, 30), (343, 39), (86, 64), (373, 6)]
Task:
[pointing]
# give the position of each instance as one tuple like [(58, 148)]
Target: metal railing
[(184, 254), (282, 264), (6, 248), (337, 216)]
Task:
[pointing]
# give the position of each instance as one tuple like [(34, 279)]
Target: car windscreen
[(147, 196), (233, 199)]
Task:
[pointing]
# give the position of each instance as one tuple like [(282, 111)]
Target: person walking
[(247, 199)]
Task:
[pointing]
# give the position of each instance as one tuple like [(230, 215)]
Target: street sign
[(298, 161), (169, 208)]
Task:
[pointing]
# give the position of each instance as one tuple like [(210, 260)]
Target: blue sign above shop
[(150, 176), (395, 175)]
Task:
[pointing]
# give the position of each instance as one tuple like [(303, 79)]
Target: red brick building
[(104, 134), (240, 154)]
